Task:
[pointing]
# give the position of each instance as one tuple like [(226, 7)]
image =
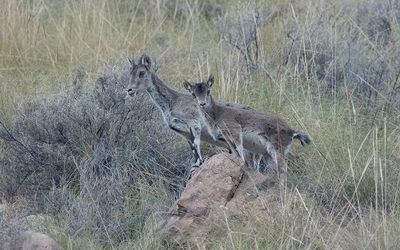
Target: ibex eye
[(208, 92), (141, 74), (193, 95)]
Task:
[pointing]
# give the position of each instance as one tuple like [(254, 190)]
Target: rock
[(29, 240), (35, 221), (210, 188), (222, 189)]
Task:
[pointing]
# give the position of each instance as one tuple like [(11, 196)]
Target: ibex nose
[(130, 92), (203, 104)]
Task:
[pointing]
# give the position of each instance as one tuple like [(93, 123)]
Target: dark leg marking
[(175, 129), (196, 153)]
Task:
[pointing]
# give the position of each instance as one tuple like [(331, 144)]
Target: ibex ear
[(145, 60), (187, 86), (132, 62), (210, 81)]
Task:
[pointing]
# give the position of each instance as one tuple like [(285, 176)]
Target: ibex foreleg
[(234, 138), (192, 132), (195, 133), (257, 161)]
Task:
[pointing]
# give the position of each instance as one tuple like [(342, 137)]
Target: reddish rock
[(210, 188), (222, 189), (30, 240)]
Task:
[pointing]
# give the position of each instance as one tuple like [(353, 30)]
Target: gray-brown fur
[(247, 129), (180, 111)]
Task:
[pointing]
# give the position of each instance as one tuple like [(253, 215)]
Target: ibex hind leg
[(238, 148), (275, 155), (250, 159)]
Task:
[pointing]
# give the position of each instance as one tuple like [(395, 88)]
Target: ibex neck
[(212, 109), (160, 93)]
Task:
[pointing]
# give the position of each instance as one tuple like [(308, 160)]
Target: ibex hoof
[(197, 163), (192, 170)]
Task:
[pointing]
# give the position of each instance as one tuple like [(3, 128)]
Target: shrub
[(355, 56), (240, 27), (91, 152)]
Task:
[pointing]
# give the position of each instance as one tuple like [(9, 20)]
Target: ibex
[(247, 129), (180, 111)]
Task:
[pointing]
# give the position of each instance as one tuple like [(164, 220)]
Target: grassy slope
[(42, 42)]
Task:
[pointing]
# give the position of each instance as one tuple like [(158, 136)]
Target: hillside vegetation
[(98, 166)]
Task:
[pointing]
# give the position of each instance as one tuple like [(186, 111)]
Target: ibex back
[(247, 129)]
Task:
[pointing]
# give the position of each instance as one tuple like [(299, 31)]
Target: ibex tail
[(302, 137)]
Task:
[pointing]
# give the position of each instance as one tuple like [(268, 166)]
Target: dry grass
[(347, 180)]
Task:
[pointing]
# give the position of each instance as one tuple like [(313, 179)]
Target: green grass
[(353, 152)]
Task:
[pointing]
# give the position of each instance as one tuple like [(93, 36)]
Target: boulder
[(224, 188), (29, 240), (35, 222)]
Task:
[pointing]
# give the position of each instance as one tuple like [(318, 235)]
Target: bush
[(240, 28), (346, 54), (91, 152)]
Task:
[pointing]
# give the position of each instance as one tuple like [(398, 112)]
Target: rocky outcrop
[(35, 222), (222, 189), (30, 240)]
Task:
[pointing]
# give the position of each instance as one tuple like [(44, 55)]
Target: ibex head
[(201, 91), (140, 75)]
